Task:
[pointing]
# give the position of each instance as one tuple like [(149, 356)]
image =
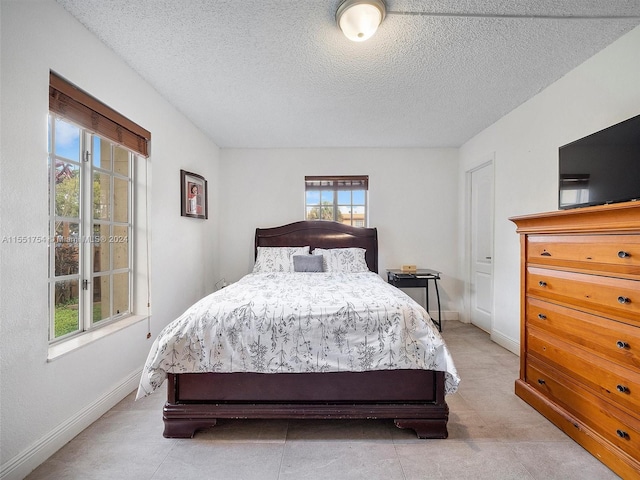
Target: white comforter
[(300, 322)]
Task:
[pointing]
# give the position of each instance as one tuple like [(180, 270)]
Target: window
[(91, 178), (340, 198)]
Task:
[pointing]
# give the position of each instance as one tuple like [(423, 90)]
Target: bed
[(280, 373)]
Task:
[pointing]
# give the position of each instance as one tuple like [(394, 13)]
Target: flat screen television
[(601, 168)]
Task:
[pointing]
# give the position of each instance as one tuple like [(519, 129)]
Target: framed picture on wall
[(193, 195)]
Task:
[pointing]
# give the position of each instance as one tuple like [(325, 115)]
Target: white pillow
[(277, 259), (350, 260)]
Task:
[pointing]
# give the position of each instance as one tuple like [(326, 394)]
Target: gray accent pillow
[(307, 263)]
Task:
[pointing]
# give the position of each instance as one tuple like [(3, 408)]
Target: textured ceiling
[(279, 73)]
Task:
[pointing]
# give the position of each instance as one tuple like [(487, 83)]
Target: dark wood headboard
[(321, 234)]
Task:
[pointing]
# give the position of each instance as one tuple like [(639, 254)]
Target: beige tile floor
[(492, 435)]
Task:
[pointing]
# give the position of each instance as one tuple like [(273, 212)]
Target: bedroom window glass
[(91, 221), (90, 229), (339, 198)]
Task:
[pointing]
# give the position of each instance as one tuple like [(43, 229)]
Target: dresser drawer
[(612, 297), (613, 382), (622, 252), (616, 341), (620, 428)]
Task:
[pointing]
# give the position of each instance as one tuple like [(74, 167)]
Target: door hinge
[(85, 284)]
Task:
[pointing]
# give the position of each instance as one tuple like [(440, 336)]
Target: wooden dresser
[(580, 327)]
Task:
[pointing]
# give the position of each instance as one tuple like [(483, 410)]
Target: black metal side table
[(418, 279)]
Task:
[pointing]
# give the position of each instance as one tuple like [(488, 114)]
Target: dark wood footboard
[(412, 398)]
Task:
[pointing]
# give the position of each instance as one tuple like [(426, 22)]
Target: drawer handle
[(622, 434), (541, 381), (545, 254), (621, 344), (622, 388), (542, 316), (544, 284), (624, 300), (623, 254)]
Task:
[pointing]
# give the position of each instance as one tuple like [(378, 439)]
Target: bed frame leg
[(182, 421), (425, 428), (184, 428)]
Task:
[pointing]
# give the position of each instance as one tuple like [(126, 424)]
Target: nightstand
[(418, 279)]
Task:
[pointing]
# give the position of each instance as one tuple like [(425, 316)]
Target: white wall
[(416, 202), (412, 202), (43, 404), (599, 93)]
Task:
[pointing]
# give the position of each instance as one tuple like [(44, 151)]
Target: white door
[(481, 246)]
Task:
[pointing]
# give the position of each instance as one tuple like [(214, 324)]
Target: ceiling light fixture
[(359, 19)]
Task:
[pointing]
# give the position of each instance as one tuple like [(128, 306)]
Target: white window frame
[(86, 238), (335, 184)]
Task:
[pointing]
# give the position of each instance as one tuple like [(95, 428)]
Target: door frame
[(483, 162)]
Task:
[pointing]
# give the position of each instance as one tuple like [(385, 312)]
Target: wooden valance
[(75, 105), (338, 182)]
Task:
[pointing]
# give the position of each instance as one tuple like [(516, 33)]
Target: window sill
[(60, 349)]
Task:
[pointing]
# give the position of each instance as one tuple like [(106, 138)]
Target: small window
[(339, 198)]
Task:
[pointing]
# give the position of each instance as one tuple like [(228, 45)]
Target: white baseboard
[(506, 342), (28, 460)]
